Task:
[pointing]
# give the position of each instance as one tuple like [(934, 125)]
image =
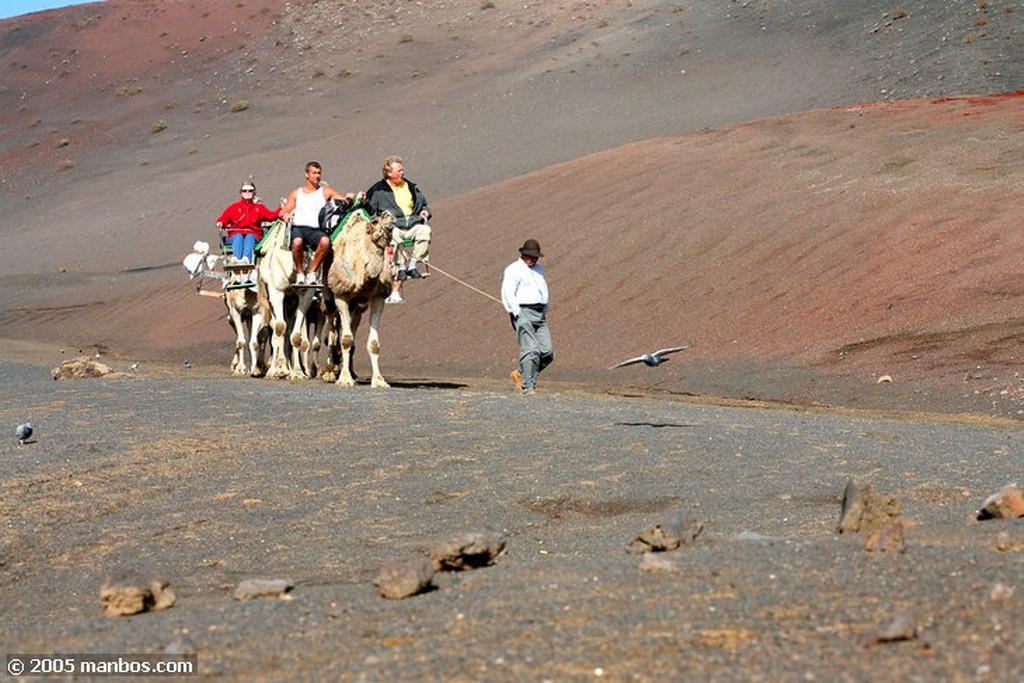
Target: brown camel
[(360, 277)]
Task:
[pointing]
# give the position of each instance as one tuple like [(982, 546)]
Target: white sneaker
[(395, 298), (300, 279)]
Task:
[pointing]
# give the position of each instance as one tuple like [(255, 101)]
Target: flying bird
[(23, 433), (651, 359)]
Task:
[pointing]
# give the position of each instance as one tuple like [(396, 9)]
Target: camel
[(276, 295), (246, 318), (360, 278)]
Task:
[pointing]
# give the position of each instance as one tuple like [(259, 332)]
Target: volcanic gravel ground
[(211, 481)]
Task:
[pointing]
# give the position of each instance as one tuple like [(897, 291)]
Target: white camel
[(360, 277), (246, 318), (281, 302)]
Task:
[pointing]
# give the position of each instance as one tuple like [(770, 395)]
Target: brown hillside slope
[(858, 240)]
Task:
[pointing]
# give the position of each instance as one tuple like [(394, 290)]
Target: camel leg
[(255, 349), (329, 334), (300, 337), (373, 341), (279, 359), (235, 318), (345, 378)]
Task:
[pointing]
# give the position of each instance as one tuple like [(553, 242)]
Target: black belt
[(533, 307)]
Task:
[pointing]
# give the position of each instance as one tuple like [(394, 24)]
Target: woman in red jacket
[(243, 221)]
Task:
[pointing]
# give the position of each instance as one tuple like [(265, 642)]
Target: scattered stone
[(23, 433), (131, 591), (884, 379), (657, 562), (864, 510), (1006, 504), (251, 589), (887, 539), (81, 368), (1005, 544), (467, 551), (400, 579), (671, 534), (757, 536), (181, 646), (902, 627), (1000, 591)]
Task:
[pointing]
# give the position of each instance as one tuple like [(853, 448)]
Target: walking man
[(524, 294)]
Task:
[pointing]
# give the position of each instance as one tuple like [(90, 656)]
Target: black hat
[(531, 248)]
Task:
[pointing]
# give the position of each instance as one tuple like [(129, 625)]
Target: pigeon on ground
[(134, 367), (651, 359), (23, 433)]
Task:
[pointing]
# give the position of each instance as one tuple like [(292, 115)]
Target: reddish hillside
[(699, 175)]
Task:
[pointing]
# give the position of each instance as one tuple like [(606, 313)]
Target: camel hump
[(276, 231)]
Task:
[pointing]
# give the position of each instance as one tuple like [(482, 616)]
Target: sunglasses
[(247, 190)]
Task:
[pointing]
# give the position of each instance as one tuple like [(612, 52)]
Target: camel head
[(380, 228)]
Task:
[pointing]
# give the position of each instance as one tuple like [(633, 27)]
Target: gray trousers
[(535, 349)]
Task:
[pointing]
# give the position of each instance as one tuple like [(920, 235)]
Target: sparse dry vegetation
[(84, 22), (65, 165), (158, 126), (239, 105)]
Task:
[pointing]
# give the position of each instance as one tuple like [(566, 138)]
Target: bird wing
[(665, 352), (631, 361)]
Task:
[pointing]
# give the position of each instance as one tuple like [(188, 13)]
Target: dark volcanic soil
[(322, 485)]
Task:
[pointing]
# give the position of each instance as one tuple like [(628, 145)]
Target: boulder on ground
[(467, 551), (131, 591), (80, 368), (864, 510), (1006, 504), (674, 532), (400, 579)]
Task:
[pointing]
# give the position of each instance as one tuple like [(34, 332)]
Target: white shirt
[(523, 285), (307, 207)]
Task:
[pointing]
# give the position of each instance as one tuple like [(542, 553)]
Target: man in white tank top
[(303, 209)]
